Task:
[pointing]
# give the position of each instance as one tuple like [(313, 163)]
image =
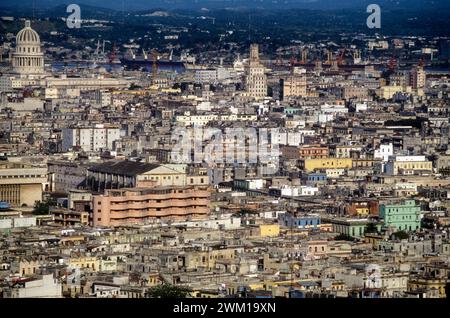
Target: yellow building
[(207, 259), (257, 286), (21, 184), (269, 230), (25, 266), (294, 86), (325, 227), (374, 239), (86, 263), (410, 167), (327, 163), (362, 211), (387, 92), (419, 284)]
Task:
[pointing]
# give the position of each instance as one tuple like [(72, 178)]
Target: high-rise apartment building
[(295, 84), (256, 80), (100, 137), (137, 205), (417, 77)]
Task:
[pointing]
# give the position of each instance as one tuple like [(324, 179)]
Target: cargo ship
[(150, 58)]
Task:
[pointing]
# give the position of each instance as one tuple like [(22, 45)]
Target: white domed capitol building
[(28, 70), (28, 58), (27, 62)]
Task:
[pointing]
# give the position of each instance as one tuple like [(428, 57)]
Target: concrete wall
[(30, 193)]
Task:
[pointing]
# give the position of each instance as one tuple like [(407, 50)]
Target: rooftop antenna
[(249, 27)]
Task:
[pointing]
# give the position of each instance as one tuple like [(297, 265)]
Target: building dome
[(27, 35), (28, 57)]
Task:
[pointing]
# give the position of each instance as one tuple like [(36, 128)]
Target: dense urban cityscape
[(144, 158)]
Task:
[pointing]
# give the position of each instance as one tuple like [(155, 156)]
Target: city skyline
[(206, 154)]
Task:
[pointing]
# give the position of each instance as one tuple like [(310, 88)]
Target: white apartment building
[(205, 76), (43, 287), (93, 139), (408, 165), (384, 152), (289, 191)]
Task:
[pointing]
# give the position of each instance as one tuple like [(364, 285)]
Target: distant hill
[(127, 5)]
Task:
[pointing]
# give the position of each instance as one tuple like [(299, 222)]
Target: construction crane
[(293, 61), (329, 57), (304, 56), (132, 54), (97, 50), (392, 63), (356, 56), (144, 54), (113, 55), (341, 56), (421, 62), (155, 55)]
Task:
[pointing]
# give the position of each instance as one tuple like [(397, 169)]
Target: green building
[(349, 226), (292, 111), (403, 217)]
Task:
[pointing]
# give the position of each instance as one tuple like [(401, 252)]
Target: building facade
[(89, 139), (21, 185), (28, 58), (405, 216), (256, 78), (127, 206)]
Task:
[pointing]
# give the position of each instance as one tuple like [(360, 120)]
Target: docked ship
[(147, 58), (100, 58)]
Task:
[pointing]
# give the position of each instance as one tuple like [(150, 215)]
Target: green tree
[(134, 86), (43, 208), (168, 291), (401, 235), (371, 228), (343, 237)]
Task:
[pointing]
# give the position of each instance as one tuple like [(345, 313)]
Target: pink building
[(137, 205)]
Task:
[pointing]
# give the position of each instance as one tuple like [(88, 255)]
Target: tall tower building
[(28, 58), (417, 77), (256, 80), (295, 84)]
